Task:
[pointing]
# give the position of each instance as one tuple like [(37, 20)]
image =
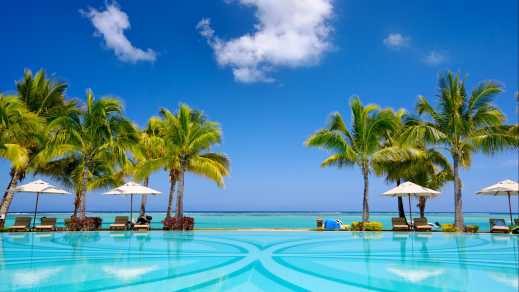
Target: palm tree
[(462, 123), (17, 128), (433, 170), (394, 153), (44, 98), (358, 145), (400, 160), (188, 137), (424, 166), (97, 138), (150, 147)]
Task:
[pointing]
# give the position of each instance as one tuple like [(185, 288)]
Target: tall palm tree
[(462, 123), (357, 145), (17, 128), (150, 147), (43, 97), (188, 137), (100, 135)]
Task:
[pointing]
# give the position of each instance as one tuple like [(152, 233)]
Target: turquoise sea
[(277, 219)]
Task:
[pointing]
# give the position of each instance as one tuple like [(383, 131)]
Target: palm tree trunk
[(180, 197), (172, 183), (365, 204), (421, 205), (77, 202), (458, 202), (82, 211), (144, 198), (401, 212), (9, 194)]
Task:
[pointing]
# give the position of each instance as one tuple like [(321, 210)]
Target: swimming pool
[(254, 261)]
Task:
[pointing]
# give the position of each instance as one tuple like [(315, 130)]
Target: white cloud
[(111, 24), (288, 33), (396, 41), (434, 58)]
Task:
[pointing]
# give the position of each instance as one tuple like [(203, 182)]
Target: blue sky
[(270, 72)]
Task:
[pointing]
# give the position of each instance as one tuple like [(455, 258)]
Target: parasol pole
[(510, 208), (131, 207), (410, 212), (35, 210)]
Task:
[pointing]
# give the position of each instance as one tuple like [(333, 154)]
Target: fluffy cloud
[(396, 41), (111, 24), (434, 58), (288, 33)]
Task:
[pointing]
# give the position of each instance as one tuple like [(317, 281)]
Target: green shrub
[(356, 226), (471, 228), (368, 226), (374, 226), (449, 228)]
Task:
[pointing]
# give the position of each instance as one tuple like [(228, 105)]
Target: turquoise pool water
[(279, 220), (258, 261)]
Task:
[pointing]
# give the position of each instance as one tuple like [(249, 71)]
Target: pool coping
[(260, 230)]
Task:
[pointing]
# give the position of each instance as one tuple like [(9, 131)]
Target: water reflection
[(401, 238), (174, 246), (29, 278), (415, 275), (128, 273)]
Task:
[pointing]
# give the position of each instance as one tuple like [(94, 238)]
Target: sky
[(271, 72)]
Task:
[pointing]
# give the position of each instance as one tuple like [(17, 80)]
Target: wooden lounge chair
[(121, 223), (47, 224), (21, 224), (421, 224), (141, 227), (498, 226), (399, 224)]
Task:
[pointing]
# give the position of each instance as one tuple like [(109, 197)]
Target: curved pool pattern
[(258, 261)]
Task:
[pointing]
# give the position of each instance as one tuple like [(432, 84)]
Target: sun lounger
[(498, 226), (399, 224), (47, 224), (121, 223), (21, 224), (421, 224), (141, 227)]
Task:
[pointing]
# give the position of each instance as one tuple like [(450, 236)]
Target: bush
[(86, 224), (471, 228), (368, 226), (187, 223), (449, 228)]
